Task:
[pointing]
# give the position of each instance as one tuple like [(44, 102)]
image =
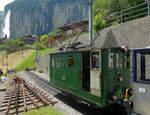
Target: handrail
[(135, 11), (128, 14), (135, 6)]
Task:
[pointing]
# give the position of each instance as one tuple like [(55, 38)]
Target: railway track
[(43, 83), (83, 108), (22, 97)]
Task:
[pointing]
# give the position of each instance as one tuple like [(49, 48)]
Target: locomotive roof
[(83, 50)]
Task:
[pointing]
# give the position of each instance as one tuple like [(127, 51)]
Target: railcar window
[(111, 60), (57, 61), (143, 67), (127, 61), (147, 67), (138, 66), (95, 60), (117, 60), (70, 61), (120, 61), (53, 61)]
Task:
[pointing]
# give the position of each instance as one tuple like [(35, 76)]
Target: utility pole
[(36, 38), (90, 22)]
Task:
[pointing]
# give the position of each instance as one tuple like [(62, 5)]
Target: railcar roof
[(142, 49), (82, 50)]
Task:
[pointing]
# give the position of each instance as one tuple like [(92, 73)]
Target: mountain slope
[(42, 16)]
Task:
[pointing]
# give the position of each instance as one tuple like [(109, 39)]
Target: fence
[(131, 13)]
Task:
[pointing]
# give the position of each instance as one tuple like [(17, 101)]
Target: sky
[(3, 3)]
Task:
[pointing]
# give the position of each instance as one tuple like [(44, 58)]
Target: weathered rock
[(1, 22), (42, 16)]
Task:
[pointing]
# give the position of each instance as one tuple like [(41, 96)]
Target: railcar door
[(86, 71), (95, 73)]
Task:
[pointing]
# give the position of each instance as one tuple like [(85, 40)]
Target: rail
[(42, 82), (23, 97), (128, 14)]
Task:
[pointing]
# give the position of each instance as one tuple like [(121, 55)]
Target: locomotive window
[(120, 61), (53, 61), (138, 66), (127, 61), (95, 60), (111, 60), (117, 60), (70, 61), (143, 67), (57, 61), (147, 67)]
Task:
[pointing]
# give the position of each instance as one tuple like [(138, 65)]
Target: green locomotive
[(98, 76)]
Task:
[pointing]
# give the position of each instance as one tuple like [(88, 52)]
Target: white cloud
[(3, 3)]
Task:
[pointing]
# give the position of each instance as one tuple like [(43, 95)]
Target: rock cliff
[(1, 22), (42, 16)]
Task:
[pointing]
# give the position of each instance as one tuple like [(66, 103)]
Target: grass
[(43, 111), (29, 62), (13, 59)]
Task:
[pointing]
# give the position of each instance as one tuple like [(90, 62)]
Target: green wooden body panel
[(113, 83), (82, 94), (69, 79), (68, 76)]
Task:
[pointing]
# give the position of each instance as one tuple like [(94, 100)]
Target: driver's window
[(95, 60), (111, 60), (147, 67), (138, 66)]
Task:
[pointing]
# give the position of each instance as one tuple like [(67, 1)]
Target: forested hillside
[(104, 8)]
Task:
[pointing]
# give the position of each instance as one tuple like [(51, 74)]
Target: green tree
[(107, 7), (104, 8), (98, 23), (12, 45), (44, 41)]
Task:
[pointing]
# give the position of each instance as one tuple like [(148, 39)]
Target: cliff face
[(42, 16), (1, 22)]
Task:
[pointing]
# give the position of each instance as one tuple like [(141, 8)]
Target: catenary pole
[(90, 22)]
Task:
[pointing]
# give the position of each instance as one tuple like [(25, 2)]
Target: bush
[(99, 23), (40, 46), (13, 45), (114, 23)]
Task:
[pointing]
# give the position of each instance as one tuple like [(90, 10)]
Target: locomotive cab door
[(86, 71), (95, 73)]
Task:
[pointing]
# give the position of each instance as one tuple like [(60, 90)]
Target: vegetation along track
[(22, 97)]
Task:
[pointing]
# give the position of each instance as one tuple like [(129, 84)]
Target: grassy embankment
[(11, 60), (43, 111), (29, 62)]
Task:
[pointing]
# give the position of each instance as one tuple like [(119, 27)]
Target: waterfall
[(6, 29)]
